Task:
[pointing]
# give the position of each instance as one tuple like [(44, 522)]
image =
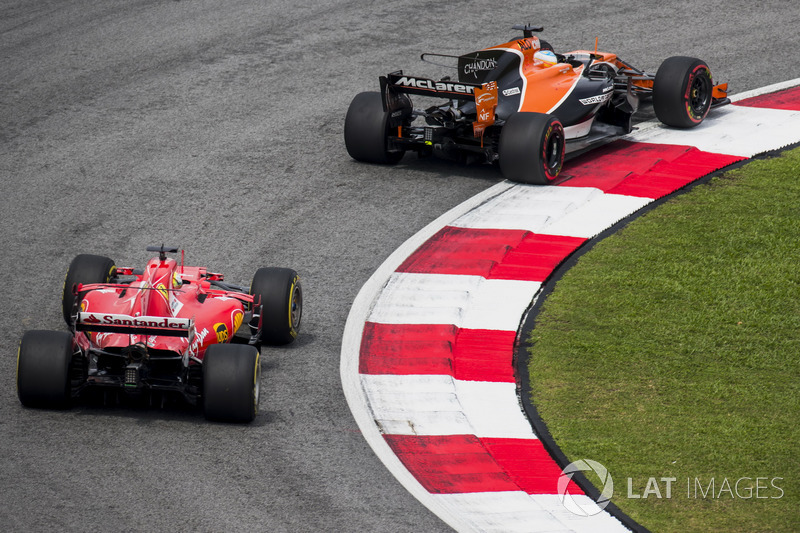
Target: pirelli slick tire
[(281, 296), (84, 269), (231, 382), (682, 91), (532, 148), (366, 131), (44, 360)]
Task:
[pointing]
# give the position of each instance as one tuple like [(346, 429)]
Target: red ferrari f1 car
[(524, 106), (169, 329)]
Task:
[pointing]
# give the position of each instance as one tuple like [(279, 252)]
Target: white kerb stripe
[(465, 301), (600, 522), (501, 512), (527, 207), (731, 130), (596, 215), (493, 409), (442, 405), (568, 211), (517, 511)]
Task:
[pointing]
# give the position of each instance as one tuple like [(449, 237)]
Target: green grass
[(672, 349)]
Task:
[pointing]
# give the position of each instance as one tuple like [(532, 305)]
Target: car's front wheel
[(682, 91), (281, 296)]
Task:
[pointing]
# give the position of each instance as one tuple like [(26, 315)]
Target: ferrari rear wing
[(135, 325)]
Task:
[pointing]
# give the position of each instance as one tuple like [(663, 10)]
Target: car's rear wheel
[(281, 296), (231, 382), (366, 130), (682, 91), (43, 369), (532, 148), (85, 269)]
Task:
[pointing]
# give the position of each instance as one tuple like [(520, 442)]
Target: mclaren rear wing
[(135, 325), (397, 82)]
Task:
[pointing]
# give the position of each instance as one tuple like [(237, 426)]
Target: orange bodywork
[(486, 104), (545, 85)]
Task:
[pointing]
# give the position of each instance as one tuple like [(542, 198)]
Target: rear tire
[(532, 148), (43, 369), (281, 297), (682, 91), (84, 269), (366, 130), (231, 382)]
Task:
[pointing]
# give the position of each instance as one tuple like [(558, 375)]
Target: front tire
[(84, 269), (44, 360), (532, 148), (281, 296), (366, 130), (231, 382), (682, 91)]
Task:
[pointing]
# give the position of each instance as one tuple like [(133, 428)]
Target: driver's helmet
[(548, 57)]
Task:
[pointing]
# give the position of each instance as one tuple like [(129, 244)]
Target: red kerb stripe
[(441, 349), (788, 99), (646, 170), (492, 254), (451, 464), (528, 464)]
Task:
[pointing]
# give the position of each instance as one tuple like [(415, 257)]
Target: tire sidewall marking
[(687, 96), (551, 129), (292, 329), (256, 387)]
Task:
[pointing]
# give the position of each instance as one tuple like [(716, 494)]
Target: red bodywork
[(164, 289)]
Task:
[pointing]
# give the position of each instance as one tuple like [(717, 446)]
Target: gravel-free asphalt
[(217, 127)]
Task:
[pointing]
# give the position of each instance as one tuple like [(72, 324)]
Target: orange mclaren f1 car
[(524, 106)]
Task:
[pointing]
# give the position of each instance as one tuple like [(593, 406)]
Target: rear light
[(133, 374)]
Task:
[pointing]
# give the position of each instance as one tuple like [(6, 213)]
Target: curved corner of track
[(428, 347)]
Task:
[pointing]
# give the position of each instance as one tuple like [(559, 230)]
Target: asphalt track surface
[(217, 127)]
